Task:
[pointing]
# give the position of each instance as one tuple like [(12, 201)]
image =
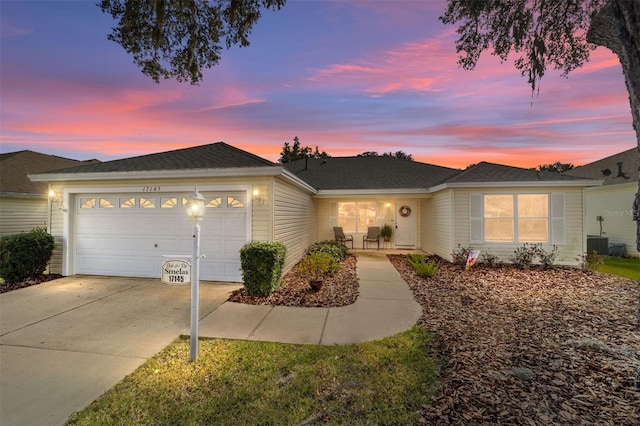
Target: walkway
[(384, 307)]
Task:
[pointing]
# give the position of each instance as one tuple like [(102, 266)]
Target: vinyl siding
[(19, 214), (294, 220), (436, 224), (614, 203), (574, 232)]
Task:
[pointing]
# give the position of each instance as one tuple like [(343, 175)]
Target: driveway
[(64, 342)]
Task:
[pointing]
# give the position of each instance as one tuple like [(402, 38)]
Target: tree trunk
[(617, 26)]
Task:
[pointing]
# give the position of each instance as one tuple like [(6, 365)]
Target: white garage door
[(127, 234)]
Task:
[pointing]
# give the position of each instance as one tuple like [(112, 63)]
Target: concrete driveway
[(63, 343)]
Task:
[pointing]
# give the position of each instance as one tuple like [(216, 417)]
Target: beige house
[(121, 217), (608, 208)]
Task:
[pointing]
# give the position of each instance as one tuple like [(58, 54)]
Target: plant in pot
[(315, 266), (386, 231)]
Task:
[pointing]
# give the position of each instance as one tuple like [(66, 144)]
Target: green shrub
[(262, 264), (491, 260), (592, 261), (25, 255), (334, 248), (460, 255), (316, 265), (423, 267)]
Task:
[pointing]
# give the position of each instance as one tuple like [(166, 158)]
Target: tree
[(558, 33), (179, 38), (297, 152), (398, 154), (557, 167)]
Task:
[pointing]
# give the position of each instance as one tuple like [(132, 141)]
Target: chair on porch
[(340, 237), (373, 235)]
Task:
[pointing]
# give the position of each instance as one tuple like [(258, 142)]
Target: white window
[(356, 216), (517, 218)]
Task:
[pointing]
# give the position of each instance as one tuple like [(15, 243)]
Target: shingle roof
[(362, 173), (490, 172), (217, 155), (15, 166), (607, 168)]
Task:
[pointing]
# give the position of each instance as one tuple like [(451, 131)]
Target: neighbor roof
[(15, 166), (490, 172), (607, 168), (217, 155), (368, 173)]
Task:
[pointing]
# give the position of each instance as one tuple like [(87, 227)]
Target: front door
[(406, 224)]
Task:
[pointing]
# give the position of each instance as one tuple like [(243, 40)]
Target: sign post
[(195, 210)]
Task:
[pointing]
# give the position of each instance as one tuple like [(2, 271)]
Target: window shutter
[(333, 215), (380, 214), (557, 218), (475, 215)]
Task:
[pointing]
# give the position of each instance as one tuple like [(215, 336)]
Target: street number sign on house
[(176, 271)]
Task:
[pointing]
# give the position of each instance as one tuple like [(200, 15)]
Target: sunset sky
[(347, 77)]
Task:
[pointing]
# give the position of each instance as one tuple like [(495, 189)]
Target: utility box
[(598, 244)]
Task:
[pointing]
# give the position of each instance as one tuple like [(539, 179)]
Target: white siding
[(573, 225), (19, 214), (614, 203), (436, 223), (294, 220)]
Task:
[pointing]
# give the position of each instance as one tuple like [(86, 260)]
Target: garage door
[(127, 234)]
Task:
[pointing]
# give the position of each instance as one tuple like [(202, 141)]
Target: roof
[(368, 173), (15, 166), (217, 155), (607, 169), (490, 172)]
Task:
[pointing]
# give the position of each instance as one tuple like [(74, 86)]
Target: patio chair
[(373, 235), (340, 237)]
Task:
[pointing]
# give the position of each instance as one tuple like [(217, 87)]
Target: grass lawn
[(625, 267), (242, 382)]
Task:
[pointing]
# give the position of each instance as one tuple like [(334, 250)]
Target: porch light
[(195, 210)]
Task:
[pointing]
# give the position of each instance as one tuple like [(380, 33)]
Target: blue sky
[(348, 77)]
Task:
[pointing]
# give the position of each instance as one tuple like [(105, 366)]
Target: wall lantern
[(257, 196), (195, 210)]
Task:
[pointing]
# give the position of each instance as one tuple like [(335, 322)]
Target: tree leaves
[(179, 38)]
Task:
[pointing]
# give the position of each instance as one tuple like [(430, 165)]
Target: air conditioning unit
[(598, 244)]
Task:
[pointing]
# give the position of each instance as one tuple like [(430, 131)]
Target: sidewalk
[(384, 307)]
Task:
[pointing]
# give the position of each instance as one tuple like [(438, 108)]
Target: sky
[(345, 76)]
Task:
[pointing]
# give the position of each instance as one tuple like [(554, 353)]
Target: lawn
[(625, 267), (243, 382)]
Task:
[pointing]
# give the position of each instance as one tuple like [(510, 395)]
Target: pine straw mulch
[(338, 289), (532, 347), (4, 287)]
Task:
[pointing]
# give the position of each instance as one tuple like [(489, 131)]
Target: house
[(609, 208), (120, 217), (23, 203)]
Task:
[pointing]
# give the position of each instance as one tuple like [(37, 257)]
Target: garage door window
[(87, 203), (172, 202), (215, 203), (147, 203), (107, 203), (127, 203), (235, 203)]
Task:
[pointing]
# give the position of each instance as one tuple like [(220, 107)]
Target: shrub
[(262, 265), (460, 255), (592, 261), (547, 260), (422, 267), (523, 256), (491, 260), (317, 264), (25, 255), (334, 248)]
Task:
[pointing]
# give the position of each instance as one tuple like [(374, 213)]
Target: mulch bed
[(338, 289), (534, 347), (4, 288)]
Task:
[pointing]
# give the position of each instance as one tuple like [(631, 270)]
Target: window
[(147, 203), (517, 218), (356, 217), (107, 203), (87, 203), (215, 203), (127, 203), (234, 203)]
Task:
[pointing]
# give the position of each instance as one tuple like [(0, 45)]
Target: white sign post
[(195, 210)]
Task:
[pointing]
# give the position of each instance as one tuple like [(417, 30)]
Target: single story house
[(609, 208), (120, 217)]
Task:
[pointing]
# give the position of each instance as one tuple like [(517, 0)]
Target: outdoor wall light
[(56, 201), (257, 196)]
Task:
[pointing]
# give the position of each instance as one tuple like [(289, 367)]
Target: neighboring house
[(120, 217), (609, 208)]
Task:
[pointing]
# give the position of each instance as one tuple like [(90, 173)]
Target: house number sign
[(150, 188), (176, 271)]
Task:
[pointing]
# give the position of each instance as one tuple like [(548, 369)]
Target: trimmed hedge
[(262, 264), (25, 255), (334, 248)]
